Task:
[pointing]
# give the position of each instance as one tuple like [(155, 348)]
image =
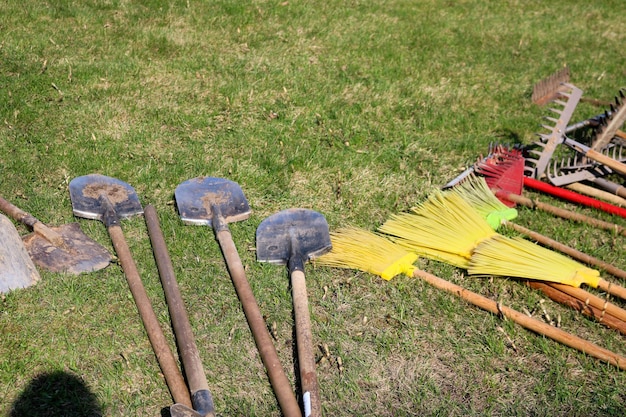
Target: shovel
[(109, 200), (292, 237), (216, 202), (201, 398), (16, 268), (59, 249)]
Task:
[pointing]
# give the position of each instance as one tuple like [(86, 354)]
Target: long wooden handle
[(525, 321), (615, 165), (165, 357), (602, 315), (304, 340), (613, 289), (278, 379), (200, 395), (559, 212), (616, 197), (574, 253), (27, 219)]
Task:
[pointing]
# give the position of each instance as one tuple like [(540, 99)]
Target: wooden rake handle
[(525, 321), (165, 357), (304, 341), (559, 212), (278, 379)]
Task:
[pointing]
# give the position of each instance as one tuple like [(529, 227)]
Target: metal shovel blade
[(200, 200), (78, 254), (292, 233), (88, 192)]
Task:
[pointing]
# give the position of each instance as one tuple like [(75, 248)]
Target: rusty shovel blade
[(64, 249), (299, 234), (78, 254), (103, 198), (209, 200)]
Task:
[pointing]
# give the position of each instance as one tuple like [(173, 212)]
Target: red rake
[(504, 173)]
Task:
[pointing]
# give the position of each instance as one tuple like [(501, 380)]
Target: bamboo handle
[(165, 357), (613, 289), (278, 379), (200, 395), (304, 341), (559, 212), (525, 321), (591, 300), (574, 253), (597, 314)]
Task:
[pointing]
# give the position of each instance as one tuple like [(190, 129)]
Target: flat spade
[(109, 200), (16, 268), (216, 202), (292, 237), (63, 248)]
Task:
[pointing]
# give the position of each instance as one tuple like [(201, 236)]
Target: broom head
[(445, 227), (516, 257), (476, 192), (369, 252)]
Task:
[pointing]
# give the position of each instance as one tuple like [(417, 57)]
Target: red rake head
[(503, 170)]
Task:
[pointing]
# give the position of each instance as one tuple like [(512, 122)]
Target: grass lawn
[(356, 109)]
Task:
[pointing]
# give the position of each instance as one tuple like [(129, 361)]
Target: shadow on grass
[(56, 394)]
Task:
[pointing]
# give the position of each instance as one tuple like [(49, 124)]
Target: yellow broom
[(358, 249), (443, 228), (476, 192), (448, 224)]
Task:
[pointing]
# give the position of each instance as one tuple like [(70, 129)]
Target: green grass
[(356, 109)]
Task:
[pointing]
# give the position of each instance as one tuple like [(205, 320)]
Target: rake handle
[(559, 212), (162, 351), (574, 253), (304, 341), (599, 314), (200, 394), (281, 385), (525, 321), (27, 219), (573, 197)]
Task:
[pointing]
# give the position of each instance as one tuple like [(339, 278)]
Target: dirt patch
[(115, 192), (217, 198)]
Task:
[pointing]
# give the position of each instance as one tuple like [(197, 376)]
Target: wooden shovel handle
[(200, 394), (525, 321), (27, 219), (615, 165), (304, 341), (278, 379), (165, 357)]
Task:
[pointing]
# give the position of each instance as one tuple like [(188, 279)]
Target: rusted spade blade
[(109, 200), (63, 248), (16, 268), (292, 237), (216, 202)]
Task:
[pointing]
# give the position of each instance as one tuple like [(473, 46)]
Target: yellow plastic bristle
[(516, 257), (444, 225), (476, 192), (366, 251)]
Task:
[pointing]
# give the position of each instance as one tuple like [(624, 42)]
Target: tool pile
[(459, 225)]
